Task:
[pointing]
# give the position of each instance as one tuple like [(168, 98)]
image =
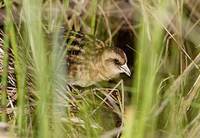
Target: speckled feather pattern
[(82, 51), (85, 60)]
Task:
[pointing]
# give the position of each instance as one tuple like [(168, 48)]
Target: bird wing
[(82, 50), (81, 47)]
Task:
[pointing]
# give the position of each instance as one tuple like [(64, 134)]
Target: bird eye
[(116, 61)]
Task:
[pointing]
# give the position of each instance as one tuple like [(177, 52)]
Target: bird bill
[(124, 68)]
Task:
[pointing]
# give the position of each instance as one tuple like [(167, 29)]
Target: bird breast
[(87, 74)]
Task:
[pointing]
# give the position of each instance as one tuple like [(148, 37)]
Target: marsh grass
[(164, 92)]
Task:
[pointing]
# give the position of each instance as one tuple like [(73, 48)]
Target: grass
[(160, 100)]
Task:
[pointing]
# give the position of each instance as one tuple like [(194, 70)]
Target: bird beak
[(124, 68)]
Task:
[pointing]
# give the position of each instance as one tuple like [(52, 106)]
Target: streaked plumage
[(90, 61)]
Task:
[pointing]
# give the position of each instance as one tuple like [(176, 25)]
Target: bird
[(90, 61)]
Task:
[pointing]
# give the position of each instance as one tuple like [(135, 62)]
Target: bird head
[(115, 61)]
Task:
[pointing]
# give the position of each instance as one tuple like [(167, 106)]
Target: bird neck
[(100, 70)]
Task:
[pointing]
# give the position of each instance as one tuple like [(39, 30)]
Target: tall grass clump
[(48, 68), (158, 105), (148, 61)]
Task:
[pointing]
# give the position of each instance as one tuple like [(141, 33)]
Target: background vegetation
[(161, 39)]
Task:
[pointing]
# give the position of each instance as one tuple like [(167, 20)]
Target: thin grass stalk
[(93, 16), (4, 73), (4, 79), (33, 24), (20, 71), (58, 69)]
